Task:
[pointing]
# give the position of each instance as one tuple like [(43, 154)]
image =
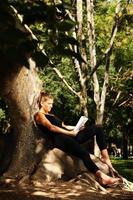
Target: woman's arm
[(41, 119), (68, 127)]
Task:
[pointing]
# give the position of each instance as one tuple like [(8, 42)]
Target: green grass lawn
[(124, 167)]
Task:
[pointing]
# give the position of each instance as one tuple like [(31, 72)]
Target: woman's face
[(47, 105)]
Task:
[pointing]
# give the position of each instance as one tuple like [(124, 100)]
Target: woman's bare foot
[(107, 162), (112, 171), (105, 158), (105, 179)]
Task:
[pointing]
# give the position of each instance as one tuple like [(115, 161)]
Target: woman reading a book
[(65, 138)]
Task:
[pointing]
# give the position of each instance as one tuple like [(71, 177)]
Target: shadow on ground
[(59, 190)]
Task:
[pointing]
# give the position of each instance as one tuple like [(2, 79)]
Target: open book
[(80, 123)]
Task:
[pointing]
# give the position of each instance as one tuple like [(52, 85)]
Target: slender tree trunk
[(125, 145), (92, 50), (81, 68), (100, 99)]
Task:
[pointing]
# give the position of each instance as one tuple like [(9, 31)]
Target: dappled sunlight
[(62, 191), (83, 186), (73, 189)]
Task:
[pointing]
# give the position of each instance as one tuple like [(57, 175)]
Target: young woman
[(65, 138)]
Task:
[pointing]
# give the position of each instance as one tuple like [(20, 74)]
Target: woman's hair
[(44, 96)]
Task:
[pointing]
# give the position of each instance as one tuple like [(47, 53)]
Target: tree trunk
[(100, 99), (125, 145), (20, 90), (83, 103), (92, 49), (81, 68)]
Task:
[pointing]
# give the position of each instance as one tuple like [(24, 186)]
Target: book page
[(80, 123)]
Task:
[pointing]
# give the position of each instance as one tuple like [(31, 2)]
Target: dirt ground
[(59, 190)]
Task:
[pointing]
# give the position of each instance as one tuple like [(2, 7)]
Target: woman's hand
[(68, 127), (73, 133), (82, 128)]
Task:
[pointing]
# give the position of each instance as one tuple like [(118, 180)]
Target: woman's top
[(54, 120)]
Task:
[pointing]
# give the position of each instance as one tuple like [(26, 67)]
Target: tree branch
[(42, 50), (117, 21), (107, 57), (65, 82)]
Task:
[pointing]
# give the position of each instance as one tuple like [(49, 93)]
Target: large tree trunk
[(19, 86), (20, 90)]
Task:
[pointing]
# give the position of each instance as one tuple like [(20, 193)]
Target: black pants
[(71, 145)]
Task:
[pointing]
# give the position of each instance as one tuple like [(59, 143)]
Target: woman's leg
[(103, 146), (71, 146), (89, 132)]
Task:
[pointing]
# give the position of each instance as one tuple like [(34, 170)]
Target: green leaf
[(12, 36), (28, 46), (16, 57), (40, 59), (68, 52), (64, 39), (5, 19), (66, 25)]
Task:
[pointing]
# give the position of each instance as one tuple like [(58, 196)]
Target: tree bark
[(20, 90), (92, 50), (125, 144), (82, 65)]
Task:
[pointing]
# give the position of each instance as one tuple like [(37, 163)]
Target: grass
[(124, 167)]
